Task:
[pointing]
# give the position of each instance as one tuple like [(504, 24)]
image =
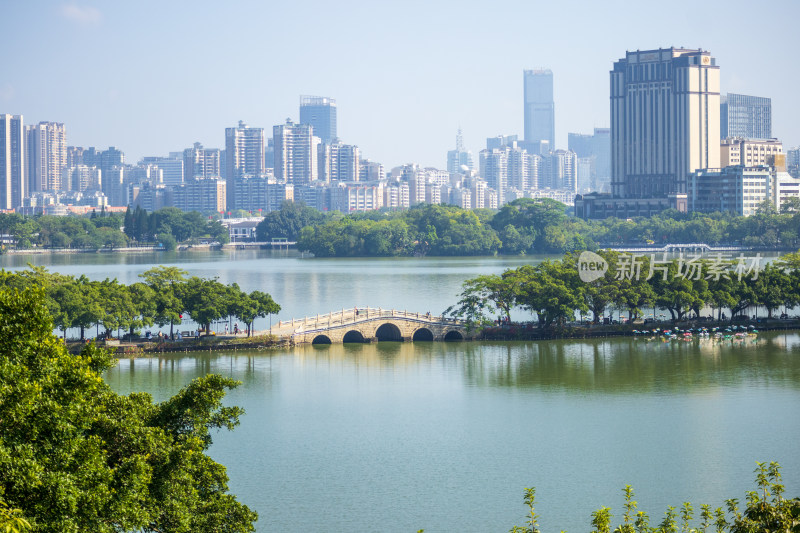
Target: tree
[(167, 283), (287, 222), (206, 301), (143, 301), (75, 456), (549, 290), (771, 288), (117, 310), (249, 307), (490, 293)]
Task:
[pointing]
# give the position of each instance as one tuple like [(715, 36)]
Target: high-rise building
[(171, 167), (295, 153), (244, 153), (494, 169), (539, 107), (338, 162), (199, 162), (47, 155), (745, 116), (319, 112), (601, 152), (793, 162), (459, 157), (559, 171), (501, 141), (595, 150), (81, 178), (13, 182), (370, 170), (664, 121), (580, 143)]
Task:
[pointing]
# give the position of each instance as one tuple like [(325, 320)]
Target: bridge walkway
[(366, 320)]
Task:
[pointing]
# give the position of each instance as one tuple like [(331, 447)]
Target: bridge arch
[(353, 336), (388, 332), (321, 339), (453, 335), (422, 334)]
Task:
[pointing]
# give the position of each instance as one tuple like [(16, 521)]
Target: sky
[(154, 77)]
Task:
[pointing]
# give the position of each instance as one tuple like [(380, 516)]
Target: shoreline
[(504, 333), (779, 250)]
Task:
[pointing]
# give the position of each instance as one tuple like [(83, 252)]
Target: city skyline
[(128, 79)]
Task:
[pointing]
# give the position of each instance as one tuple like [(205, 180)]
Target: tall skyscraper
[(46, 145), (13, 183), (319, 112), (244, 155), (745, 116), (459, 157), (539, 108), (295, 153), (664, 121)]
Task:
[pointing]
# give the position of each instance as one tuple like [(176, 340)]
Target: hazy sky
[(153, 77)]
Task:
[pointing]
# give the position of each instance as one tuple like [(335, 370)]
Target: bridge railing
[(360, 314)]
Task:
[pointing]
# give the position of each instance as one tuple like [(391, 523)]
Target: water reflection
[(610, 366)]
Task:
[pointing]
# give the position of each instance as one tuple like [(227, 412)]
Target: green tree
[(167, 284), (75, 456), (248, 307), (206, 301), (490, 293), (287, 222)]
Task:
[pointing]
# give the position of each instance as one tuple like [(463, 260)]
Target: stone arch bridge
[(368, 324)]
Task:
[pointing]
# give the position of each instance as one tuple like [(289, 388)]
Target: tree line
[(524, 226), (554, 291), (165, 296), (165, 227)]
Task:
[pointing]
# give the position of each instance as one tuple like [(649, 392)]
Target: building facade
[(13, 181), (296, 153), (338, 162), (664, 121), (199, 162), (319, 112), (745, 116), (539, 107), (46, 156), (748, 152), (740, 190), (244, 153)]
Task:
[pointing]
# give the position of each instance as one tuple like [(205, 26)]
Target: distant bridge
[(276, 243), (697, 247), (369, 324)]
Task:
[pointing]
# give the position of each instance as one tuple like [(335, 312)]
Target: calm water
[(397, 437), (303, 286)]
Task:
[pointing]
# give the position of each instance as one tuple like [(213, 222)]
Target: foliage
[(287, 222), (524, 226), (554, 292), (75, 456), (163, 298), (767, 511)]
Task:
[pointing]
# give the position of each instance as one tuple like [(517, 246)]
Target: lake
[(445, 436)]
